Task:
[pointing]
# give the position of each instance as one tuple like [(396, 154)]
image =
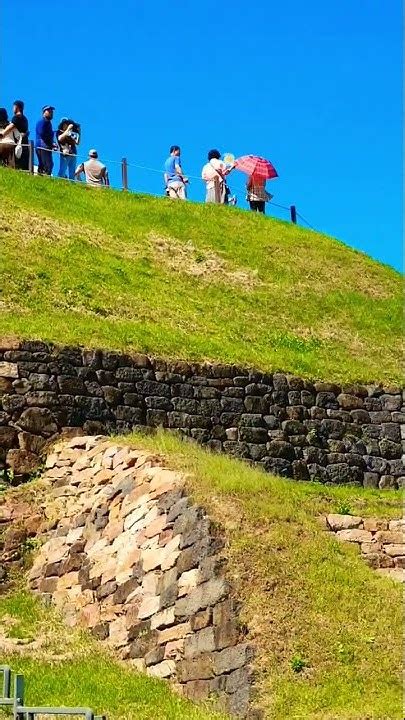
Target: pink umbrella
[(257, 166)]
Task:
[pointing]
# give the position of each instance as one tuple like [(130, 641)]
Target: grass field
[(327, 628), (194, 282), (67, 667)]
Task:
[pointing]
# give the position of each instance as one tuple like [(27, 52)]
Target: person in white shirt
[(214, 173), (95, 172)]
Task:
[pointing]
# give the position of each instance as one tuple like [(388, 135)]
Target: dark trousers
[(45, 161), (257, 205), (23, 163)]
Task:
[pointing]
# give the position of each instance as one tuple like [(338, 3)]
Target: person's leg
[(62, 165), (71, 166), (253, 205), (261, 206), (49, 162), (40, 163), (210, 196)]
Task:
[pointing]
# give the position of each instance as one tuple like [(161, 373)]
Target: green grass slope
[(67, 667), (104, 268)]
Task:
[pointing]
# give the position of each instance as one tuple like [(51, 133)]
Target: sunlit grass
[(187, 281)]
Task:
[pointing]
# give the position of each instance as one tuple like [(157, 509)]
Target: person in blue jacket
[(44, 142)]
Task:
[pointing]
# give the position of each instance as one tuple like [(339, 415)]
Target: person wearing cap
[(95, 172), (68, 141), (44, 142), (18, 125)]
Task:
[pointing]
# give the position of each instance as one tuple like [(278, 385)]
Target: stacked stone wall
[(287, 425), (381, 542), (130, 557)]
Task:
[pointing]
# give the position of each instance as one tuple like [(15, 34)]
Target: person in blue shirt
[(44, 141), (175, 180)]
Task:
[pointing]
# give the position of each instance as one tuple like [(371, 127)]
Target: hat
[(93, 153), (48, 107)]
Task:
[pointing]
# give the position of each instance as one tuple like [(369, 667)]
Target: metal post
[(6, 681), (293, 212), (31, 157), (124, 171)]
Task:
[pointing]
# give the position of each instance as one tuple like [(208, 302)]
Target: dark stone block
[(238, 449), (101, 631), (380, 417), (235, 392), (279, 397), (234, 405), (334, 429), (294, 397), (390, 450), (129, 414), (396, 468), (230, 420), (177, 419), (185, 405), (105, 590), (280, 449), (342, 473), (293, 427), (257, 451), (112, 395), (372, 404), (158, 403), (252, 420), (253, 434), (93, 388), (391, 402), (185, 390), (258, 389), (360, 416), (41, 398), (156, 418), (327, 400), (256, 404), (92, 407), (300, 470), (106, 377), (376, 464), (277, 466), (315, 455), (391, 431), (371, 479), (307, 398)]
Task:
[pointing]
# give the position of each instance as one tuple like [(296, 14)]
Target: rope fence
[(294, 215)]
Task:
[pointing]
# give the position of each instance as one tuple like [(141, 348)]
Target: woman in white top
[(214, 173), (8, 142)]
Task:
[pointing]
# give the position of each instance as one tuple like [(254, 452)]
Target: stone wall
[(128, 556), (290, 426), (381, 542)]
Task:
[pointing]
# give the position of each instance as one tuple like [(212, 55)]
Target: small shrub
[(298, 664), (343, 508)]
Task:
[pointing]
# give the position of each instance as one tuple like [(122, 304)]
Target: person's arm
[(7, 130), (65, 134), (79, 170)]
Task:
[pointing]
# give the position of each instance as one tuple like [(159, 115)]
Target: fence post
[(31, 157), (124, 172), (293, 212)]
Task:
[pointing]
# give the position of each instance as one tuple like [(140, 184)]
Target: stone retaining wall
[(290, 426), (381, 542), (130, 557)]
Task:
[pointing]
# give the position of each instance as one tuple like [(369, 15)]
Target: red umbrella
[(257, 166)]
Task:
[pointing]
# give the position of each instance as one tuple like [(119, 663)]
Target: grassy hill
[(104, 268), (327, 628)]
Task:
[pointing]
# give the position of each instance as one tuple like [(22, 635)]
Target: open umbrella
[(257, 166)]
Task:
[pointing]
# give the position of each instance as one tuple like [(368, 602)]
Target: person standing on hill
[(68, 139), (44, 141), (257, 194), (95, 172), (214, 173), (175, 180), (7, 141), (18, 126)]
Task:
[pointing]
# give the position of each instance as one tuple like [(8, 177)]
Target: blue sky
[(315, 86)]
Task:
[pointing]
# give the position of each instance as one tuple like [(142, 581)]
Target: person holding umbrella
[(258, 170)]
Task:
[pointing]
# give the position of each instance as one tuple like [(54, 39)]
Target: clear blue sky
[(315, 86)]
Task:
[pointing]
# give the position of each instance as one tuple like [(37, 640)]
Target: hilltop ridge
[(187, 281)]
